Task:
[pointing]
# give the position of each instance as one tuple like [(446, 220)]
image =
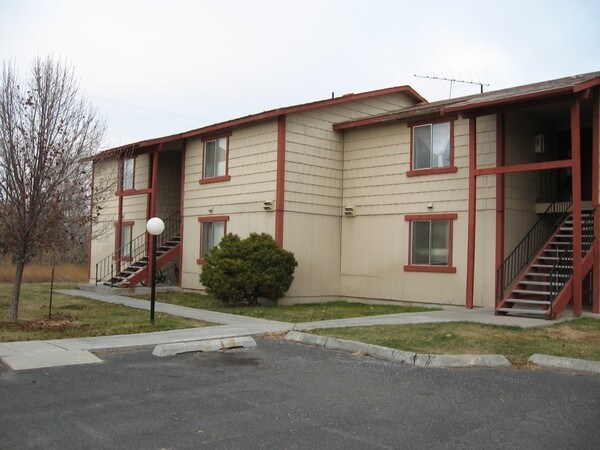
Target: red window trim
[(203, 219), (226, 177), (215, 179), (436, 170), (212, 137), (451, 217), (132, 192)]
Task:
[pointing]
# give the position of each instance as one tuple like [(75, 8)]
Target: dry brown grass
[(42, 273)]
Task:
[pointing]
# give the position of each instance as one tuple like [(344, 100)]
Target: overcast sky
[(155, 68)]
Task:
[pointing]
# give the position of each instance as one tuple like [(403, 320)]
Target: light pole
[(154, 226)]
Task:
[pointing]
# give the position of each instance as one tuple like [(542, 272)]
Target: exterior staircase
[(544, 288), (128, 266)]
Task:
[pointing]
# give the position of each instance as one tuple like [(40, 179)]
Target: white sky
[(155, 68)]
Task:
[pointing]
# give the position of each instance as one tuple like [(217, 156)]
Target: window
[(432, 148), (430, 243), (128, 171), (123, 239), (126, 232), (212, 230), (215, 159)]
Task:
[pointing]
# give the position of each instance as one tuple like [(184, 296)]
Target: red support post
[(500, 124), (152, 207), (472, 211), (595, 199), (576, 190)]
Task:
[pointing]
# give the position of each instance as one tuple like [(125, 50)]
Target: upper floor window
[(215, 161), (432, 147), (128, 173)]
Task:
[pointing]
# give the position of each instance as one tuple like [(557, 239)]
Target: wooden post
[(576, 190), (595, 199), (500, 121), (472, 211)]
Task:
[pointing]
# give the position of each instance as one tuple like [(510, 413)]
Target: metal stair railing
[(562, 271), (172, 228), (530, 245), (109, 267)]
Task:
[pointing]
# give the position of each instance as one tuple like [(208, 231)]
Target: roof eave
[(532, 96), (246, 120)]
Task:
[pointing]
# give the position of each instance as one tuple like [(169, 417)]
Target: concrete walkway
[(57, 352)]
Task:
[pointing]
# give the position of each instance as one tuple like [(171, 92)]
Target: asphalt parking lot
[(288, 396)]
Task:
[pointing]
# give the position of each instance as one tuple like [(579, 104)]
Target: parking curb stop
[(416, 359), (209, 345)]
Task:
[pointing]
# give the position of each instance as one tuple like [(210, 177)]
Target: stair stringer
[(161, 261), (527, 269), (565, 296)]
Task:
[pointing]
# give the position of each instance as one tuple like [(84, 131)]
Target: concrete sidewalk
[(39, 354)]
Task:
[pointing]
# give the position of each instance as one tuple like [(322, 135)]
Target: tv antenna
[(452, 81)]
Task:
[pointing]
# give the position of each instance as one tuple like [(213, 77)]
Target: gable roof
[(266, 115), (502, 97)]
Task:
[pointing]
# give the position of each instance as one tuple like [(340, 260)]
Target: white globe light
[(155, 226)]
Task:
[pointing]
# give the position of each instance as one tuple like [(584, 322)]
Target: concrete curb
[(50, 359), (558, 362), (416, 359), (210, 345)]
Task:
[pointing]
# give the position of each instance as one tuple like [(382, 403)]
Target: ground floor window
[(124, 237), (212, 230), (430, 242)]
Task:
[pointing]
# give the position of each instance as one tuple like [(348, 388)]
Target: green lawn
[(579, 338), (75, 316), (287, 313)]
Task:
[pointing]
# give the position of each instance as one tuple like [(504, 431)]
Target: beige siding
[(521, 189), (142, 167), (103, 231), (315, 242), (314, 153), (253, 171), (375, 242), (313, 183)]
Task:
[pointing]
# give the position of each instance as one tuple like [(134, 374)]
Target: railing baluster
[(137, 249), (527, 248)]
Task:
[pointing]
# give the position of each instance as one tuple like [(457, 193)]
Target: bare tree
[(48, 133)]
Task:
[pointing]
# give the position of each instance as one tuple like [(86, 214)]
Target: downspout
[(280, 180)]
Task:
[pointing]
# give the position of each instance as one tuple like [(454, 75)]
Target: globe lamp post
[(154, 226)]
